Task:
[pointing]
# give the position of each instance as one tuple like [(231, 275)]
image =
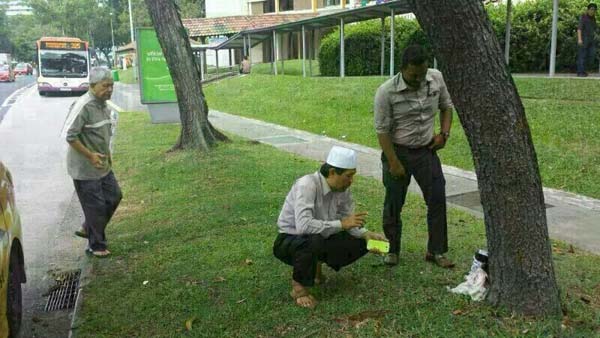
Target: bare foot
[(301, 296)]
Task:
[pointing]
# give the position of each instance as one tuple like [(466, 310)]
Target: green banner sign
[(156, 84)]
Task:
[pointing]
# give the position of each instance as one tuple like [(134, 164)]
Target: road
[(32, 148)]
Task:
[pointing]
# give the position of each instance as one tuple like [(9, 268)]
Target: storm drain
[(280, 140), (64, 294), (470, 200)]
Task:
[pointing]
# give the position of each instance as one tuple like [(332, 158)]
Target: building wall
[(15, 7), (218, 8)]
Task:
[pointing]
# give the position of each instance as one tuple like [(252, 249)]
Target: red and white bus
[(63, 65)]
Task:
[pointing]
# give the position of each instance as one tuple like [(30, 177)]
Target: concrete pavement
[(34, 152), (572, 218)]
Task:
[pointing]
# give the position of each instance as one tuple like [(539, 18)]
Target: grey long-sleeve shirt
[(311, 207)]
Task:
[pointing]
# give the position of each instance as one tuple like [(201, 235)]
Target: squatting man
[(317, 225)]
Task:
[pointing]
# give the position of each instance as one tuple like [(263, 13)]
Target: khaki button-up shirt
[(408, 115), (311, 207), (90, 122)]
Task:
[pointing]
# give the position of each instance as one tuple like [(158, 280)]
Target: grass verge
[(126, 76), (192, 241), (563, 115)]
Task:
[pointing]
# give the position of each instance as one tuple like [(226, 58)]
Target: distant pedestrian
[(245, 66), (89, 159), (586, 41), (405, 109), (317, 225)]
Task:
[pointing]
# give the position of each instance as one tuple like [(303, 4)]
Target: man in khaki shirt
[(317, 224), (89, 159), (405, 108)]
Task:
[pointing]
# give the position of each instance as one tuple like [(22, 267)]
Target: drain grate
[(470, 200), (282, 139), (64, 294)]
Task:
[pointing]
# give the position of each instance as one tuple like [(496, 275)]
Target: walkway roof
[(322, 21)]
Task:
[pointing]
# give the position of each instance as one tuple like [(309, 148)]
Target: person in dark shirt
[(585, 38)]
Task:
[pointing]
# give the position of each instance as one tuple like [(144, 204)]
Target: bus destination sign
[(63, 45)]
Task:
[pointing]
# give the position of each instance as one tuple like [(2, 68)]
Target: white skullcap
[(343, 158)]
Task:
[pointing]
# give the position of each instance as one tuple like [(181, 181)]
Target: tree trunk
[(196, 130), (493, 117)]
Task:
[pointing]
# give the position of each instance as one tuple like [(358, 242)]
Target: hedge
[(531, 27)]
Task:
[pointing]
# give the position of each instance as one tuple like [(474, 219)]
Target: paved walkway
[(572, 218)]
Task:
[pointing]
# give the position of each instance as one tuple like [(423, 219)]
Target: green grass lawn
[(126, 76), (563, 115), (290, 67), (192, 242)]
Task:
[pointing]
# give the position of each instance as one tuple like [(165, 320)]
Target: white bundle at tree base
[(475, 285)]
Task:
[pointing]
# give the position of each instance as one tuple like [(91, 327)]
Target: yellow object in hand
[(378, 246)]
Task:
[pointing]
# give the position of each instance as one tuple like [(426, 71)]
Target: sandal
[(300, 296), (98, 253)]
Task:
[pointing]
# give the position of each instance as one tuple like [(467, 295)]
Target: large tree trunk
[(493, 117), (196, 130)]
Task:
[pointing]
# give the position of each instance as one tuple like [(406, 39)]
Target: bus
[(63, 65)]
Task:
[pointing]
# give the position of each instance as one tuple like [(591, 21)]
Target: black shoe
[(81, 233), (582, 74)]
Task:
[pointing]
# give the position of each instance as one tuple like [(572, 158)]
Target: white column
[(303, 51), (275, 54), (507, 35), (342, 56), (553, 42), (201, 65), (392, 32), (382, 45)]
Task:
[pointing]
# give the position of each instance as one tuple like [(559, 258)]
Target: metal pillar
[(280, 51), (245, 47), (382, 46), (392, 33), (507, 36), (217, 57), (554, 33), (303, 51), (275, 52), (230, 60), (342, 51), (311, 51), (201, 65), (249, 48)]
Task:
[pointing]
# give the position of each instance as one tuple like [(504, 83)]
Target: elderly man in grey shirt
[(89, 160), (317, 224), (405, 108)]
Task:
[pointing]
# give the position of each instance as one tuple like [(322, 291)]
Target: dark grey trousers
[(424, 165), (99, 200), (304, 251)]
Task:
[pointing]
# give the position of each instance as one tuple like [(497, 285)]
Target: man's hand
[(97, 160), (354, 220), (397, 169), (438, 142), (580, 43), (374, 235)]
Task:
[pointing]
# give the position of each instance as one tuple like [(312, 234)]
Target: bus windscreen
[(64, 63)]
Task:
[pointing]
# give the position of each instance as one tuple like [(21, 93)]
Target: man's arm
[(304, 214), (579, 37), (396, 167), (439, 140), (96, 159)]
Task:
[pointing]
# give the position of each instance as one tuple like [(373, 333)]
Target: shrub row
[(531, 27)]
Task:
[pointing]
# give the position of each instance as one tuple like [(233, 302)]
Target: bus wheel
[(42, 93)]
